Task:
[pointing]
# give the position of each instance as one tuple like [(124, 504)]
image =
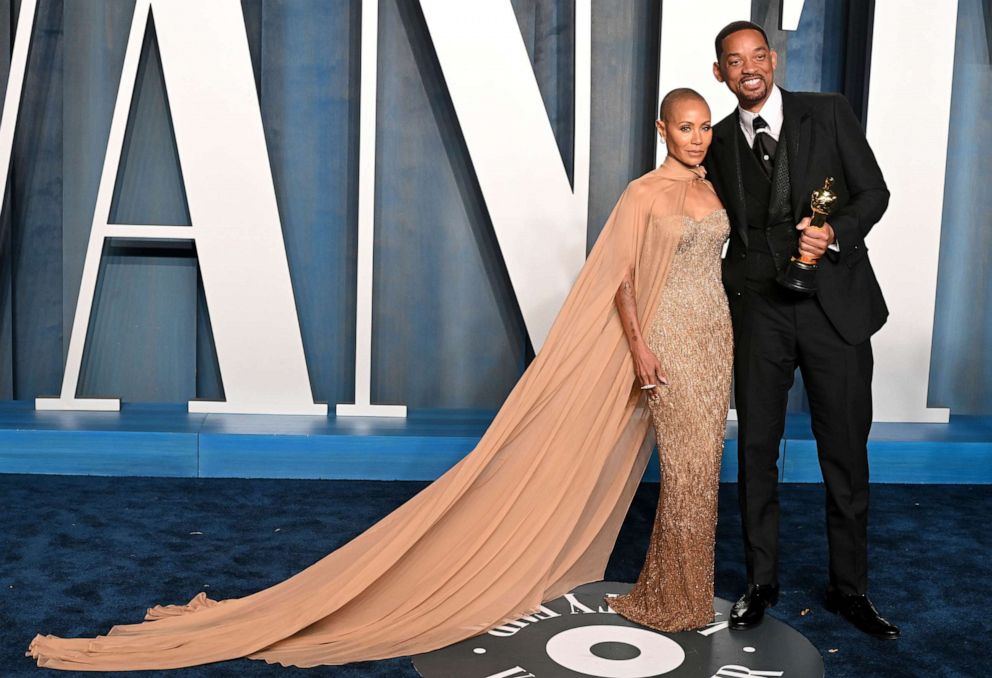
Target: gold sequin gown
[(691, 335)]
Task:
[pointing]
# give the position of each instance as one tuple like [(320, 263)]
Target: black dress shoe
[(750, 609), (858, 610)]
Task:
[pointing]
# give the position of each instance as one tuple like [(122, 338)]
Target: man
[(766, 159)]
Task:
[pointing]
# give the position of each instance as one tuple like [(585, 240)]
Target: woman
[(688, 397), (534, 510)]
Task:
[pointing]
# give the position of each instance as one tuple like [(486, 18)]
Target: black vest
[(771, 232)]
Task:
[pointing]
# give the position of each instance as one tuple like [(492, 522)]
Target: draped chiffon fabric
[(532, 512)]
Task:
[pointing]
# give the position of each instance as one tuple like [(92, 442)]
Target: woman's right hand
[(648, 368)]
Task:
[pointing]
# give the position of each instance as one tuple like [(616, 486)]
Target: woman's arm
[(646, 363)]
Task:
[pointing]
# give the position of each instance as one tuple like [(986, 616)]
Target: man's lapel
[(728, 164), (798, 131)]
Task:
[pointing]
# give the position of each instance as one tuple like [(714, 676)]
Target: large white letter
[(232, 207), (686, 57), (792, 11), (906, 243), (540, 222), (15, 85)]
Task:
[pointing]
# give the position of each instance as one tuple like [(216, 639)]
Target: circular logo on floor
[(578, 636)]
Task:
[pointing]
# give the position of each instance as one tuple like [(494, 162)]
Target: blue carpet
[(82, 553)]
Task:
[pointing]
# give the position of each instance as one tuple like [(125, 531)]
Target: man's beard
[(755, 96)]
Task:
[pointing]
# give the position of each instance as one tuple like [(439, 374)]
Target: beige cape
[(532, 512)]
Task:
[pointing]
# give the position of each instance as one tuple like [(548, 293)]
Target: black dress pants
[(775, 333)]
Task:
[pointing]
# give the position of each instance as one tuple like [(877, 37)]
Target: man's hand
[(813, 242)]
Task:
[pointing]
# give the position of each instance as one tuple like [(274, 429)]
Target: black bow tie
[(764, 145)]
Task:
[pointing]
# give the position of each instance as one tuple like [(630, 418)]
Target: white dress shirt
[(771, 112)]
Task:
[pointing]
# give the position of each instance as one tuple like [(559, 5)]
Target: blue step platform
[(165, 440)]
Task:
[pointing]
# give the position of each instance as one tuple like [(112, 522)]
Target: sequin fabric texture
[(692, 337)]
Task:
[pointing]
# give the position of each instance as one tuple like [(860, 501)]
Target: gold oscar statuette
[(800, 274)]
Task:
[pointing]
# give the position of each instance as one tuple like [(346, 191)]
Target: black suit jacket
[(825, 140)]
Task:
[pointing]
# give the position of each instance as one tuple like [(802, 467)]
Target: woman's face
[(687, 131)]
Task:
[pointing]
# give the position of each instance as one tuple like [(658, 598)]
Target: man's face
[(747, 66)]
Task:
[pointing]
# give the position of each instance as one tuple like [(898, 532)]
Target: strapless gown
[(692, 337)]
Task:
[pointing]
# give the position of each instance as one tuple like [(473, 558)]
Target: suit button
[(738, 293), (743, 255)]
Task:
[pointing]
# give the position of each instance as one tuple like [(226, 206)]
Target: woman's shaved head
[(684, 125), (675, 97)]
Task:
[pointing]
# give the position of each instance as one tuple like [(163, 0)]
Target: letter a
[(232, 207)]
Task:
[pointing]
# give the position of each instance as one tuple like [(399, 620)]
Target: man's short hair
[(732, 28)]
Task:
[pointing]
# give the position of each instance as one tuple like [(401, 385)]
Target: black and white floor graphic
[(579, 636)]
